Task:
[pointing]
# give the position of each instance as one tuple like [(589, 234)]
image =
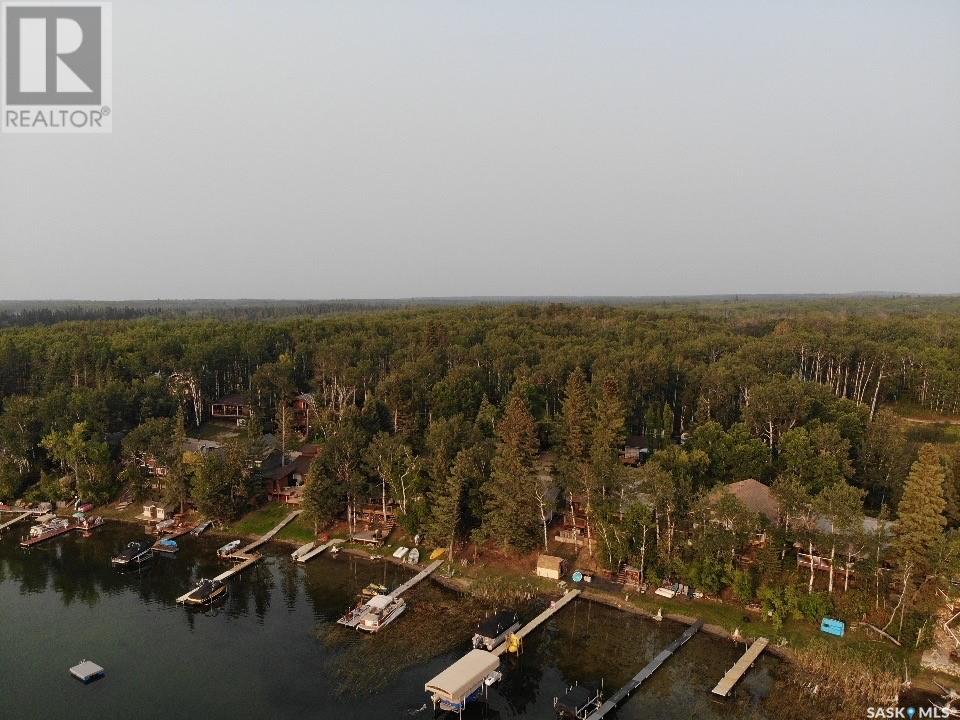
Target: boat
[(495, 629), (372, 590), (579, 702), (37, 530), (90, 523), (401, 552), (206, 592), (302, 550), (228, 549), (381, 610), (134, 555), (413, 557), (201, 528), (163, 526), (166, 545)]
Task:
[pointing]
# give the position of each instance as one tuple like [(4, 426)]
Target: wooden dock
[(734, 674), (649, 669), (554, 608), (264, 539), (310, 554), (30, 542), (417, 578), (17, 519)]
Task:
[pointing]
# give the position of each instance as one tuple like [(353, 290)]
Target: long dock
[(264, 539), (17, 519), (48, 536), (649, 669), (538, 620), (732, 675), (416, 578), (317, 550)]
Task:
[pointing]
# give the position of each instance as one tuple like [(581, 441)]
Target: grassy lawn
[(266, 518)]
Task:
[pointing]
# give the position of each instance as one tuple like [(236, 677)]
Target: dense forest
[(452, 412)]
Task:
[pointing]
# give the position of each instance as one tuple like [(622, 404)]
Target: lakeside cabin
[(232, 407), (550, 567)]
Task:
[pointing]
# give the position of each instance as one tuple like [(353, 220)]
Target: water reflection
[(272, 648)]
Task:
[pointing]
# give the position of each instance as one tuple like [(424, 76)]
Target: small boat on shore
[(381, 610), (201, 528), (206, 592), (413, 557), (134, 555), (228, 549)]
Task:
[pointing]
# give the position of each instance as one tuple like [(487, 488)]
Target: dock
[(310, 554), (725, 686), (30, 542), (17, 519), (416, 578), (158, 546), (649, 669), (264, 539), (554, 608)]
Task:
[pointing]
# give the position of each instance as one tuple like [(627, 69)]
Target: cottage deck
[(310, 554), (648, 670), (732, 675)]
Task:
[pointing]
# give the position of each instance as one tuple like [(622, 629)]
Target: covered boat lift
[(462, 682)]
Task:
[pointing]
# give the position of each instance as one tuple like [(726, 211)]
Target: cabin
[(284, 482), (232, 407), (635, 451), (156, 512), (550, 567), (304, 413), (755, 496)]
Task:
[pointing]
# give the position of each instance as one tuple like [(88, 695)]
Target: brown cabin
[(232, 407)]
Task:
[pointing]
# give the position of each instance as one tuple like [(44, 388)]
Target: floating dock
[(415, 579), (17, 519), (554, 608), (311, 554), (87, 671), (649, 669), (734, 674)]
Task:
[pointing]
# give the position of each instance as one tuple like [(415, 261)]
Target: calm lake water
[(273, 648)]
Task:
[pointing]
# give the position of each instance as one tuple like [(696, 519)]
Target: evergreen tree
[(512, 517), (920, 520)]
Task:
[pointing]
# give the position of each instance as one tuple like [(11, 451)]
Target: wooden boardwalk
[(538, 620), (417, 578), (264, 539), (648, 670), (317, 550), (17, 519), (740, 667)]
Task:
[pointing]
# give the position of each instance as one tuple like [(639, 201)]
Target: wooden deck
[(538, 620), (417, 578), (740, 667), (319, 549), (17, 519)]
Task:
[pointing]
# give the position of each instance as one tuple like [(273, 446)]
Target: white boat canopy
[(458, 681), (379, 602)]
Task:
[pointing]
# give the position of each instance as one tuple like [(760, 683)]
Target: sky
[(380, 149)]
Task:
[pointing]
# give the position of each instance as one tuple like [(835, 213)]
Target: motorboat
[(134, 555), (201, 528), (495, 629), (208, 591), (228, 549)]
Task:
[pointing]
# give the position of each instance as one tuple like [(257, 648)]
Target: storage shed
[(549, 566)]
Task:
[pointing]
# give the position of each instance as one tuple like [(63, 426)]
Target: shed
[(459, 681), (549, 566)]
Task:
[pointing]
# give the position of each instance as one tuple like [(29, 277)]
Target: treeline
[(483, 422)]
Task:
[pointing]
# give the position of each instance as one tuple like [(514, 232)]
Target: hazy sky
[(311, 149)]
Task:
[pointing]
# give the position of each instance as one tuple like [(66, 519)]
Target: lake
[(273, 649)]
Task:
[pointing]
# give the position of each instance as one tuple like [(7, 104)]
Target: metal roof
[(464, 676)]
